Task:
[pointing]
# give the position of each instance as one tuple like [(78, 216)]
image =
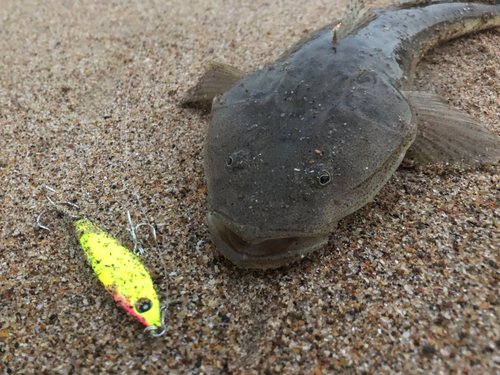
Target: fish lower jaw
[(269, 253)]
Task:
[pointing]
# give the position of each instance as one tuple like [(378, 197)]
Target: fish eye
[(324, 178), (143, 305), (237, 160)]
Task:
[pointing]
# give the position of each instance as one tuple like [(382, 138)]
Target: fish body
[(121, 273), (293, 148)]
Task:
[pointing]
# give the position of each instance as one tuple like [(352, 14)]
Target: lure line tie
[(152, 329)]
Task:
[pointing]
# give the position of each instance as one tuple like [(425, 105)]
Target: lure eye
[(143, 305), (324, 178)]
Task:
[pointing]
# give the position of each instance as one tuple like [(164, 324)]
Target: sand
[(89, 113)]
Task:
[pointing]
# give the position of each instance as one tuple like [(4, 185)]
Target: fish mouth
[(261, 254)]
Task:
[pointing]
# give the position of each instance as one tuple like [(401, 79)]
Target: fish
[(296, 146), (121, 273)]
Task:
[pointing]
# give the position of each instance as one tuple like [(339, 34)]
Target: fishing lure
[(122, 274)]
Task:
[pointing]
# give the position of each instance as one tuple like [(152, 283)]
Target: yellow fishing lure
[(122, 274)]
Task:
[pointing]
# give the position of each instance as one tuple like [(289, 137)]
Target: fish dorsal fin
[(217, 79), (306, 39), (356, 16), (448, 135)]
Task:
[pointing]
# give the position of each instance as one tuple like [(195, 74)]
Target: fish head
[(282, 170)]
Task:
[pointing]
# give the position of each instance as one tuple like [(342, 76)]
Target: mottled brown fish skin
[(295, 147)]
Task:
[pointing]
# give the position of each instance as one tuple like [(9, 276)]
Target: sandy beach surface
[(89, 113)]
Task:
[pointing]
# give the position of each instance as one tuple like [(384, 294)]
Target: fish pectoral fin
[(217, 79), (356, 16), (447, 135)]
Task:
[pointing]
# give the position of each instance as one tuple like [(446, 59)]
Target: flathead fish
[(296, 146)]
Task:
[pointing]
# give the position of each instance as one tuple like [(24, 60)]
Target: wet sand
[(89, 95)]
